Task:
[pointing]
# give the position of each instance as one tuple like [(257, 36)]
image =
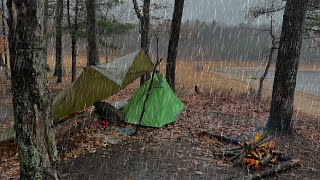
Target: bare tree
[(35, 136), (4, 34), (74, 35), (93, 54), (174, 42), (59, 59), (144, 19), (45, 30), (273, 48), (280, 119)]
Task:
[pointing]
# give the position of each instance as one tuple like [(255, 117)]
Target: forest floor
[(176, 151)]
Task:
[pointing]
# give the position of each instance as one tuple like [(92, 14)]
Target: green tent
[(162, 106), (100, 82)]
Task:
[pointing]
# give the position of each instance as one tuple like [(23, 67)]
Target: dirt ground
[(176, 151)]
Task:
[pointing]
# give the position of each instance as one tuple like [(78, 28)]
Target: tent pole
[(147, 96)]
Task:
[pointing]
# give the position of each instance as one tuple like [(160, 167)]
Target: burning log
[(238, 159), (266, 160), (273, 170)]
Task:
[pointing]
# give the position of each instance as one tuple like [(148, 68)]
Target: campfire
[(265, 155), (258, 153)]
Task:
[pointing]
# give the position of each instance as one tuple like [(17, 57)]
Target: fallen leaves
[(228, 113)]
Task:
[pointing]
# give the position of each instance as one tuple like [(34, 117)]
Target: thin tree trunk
[(93, 54), (106, 49), (174, 42), (264, 75), (145, 26), (45, 31), (4, 35), (73, 31), (270, 57), (74, 58), (31, 95), (1, 61), (144, 19), (280, 119), (59, 58)]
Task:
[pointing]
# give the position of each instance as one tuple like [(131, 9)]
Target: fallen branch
[(229, 140), (227, 153), (265, 161), (281, 156), (268, 172), (63, 129), (232, 149)]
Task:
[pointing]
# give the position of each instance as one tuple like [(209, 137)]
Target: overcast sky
[(225, 11)]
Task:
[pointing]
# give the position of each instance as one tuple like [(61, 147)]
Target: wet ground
[(186, 157)]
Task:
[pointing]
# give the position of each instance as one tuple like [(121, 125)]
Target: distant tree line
[(201, 40)]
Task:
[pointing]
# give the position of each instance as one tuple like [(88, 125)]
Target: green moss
[(30, 161), (52, 144)]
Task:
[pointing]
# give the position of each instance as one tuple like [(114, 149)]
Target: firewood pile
[(258, 153)]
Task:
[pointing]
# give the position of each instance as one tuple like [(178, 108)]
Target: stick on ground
[(271, 171), (229, 140)]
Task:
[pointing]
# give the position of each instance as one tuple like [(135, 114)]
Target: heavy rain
[(159, 89)]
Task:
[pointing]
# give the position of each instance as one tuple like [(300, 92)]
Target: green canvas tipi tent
[(162, 106)]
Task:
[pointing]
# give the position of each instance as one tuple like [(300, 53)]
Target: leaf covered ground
[(176, 151)]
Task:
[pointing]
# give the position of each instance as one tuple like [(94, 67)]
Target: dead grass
[(191, 73), (218, 109), (202, 74)]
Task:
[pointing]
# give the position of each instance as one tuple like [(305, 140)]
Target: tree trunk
[(280, 119), (93, 54), (144, 30), (45, 31), (4, 35), (264, 75), (145, 26), (59, 58), (74, 35), (145, 40), (74, 58), (31, 95), (106, 49), (174, 42), (2, 63), (270, 57)]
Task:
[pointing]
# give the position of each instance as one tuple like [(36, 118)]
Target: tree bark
[(145, 26), (59, 58), (93, 54), (106, 48), (264, 75), (74, 35), (4, 35), (2, 63), (31, 95), (174, 42), (45, 31), (280, 119), (144, 19)]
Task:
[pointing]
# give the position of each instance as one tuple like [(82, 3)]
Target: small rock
[(199, 172)]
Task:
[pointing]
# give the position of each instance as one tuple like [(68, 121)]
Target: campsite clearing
[(175, 151)]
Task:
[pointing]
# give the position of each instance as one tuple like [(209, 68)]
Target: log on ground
[(271, 171)]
